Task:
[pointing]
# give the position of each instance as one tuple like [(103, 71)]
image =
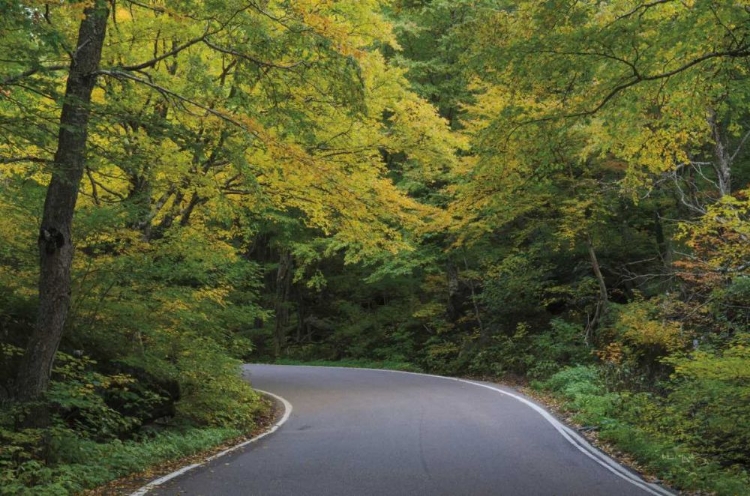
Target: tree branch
[(167, 93), (12, 160), (654, 77), (247, 57), (740, 146), (174, 51), (644, 8), (636, 79), (30, 72)]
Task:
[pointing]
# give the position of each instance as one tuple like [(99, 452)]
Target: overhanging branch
[(12, 160), (167, 93), (247, 57), (30, 72)]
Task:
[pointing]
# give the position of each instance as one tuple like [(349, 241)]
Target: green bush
[(711, 402), (584, 392), (96, 429), (563, 344), (83, 464), (536, 355), (582, 379)]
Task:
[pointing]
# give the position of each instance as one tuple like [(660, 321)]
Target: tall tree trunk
[(55, 244), (722, 157), (281, 305), (454, 293), (661, 241), (484, 336), (601, 304)]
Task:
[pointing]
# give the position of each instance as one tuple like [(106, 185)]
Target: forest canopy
[(550, 191)]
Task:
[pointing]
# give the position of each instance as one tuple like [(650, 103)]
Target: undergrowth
[(91, 427), (85, 464), (625, 420)]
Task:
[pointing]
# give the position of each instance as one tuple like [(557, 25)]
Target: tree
[(202, 116), (55, 239), (659, 85)]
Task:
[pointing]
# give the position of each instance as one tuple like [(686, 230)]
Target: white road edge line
[(161, 480), (578, 441)]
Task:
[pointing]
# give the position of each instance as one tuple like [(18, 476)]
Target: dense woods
[(556, 192)]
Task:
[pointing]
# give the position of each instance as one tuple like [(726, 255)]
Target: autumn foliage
[(551, 191)]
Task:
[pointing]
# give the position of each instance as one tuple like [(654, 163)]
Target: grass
[(60, 459), (85, 464), (675, 464)]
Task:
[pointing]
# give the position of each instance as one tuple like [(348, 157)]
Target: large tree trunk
[(55, 244)]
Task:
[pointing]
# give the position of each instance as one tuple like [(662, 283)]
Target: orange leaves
[(612, 354), (642, 329), (720, 241)]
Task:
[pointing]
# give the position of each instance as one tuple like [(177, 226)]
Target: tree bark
[(601, 304), (722, 158), (55, 244)]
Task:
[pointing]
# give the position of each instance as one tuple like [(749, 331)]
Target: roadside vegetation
[(659, 434), (551, 192)]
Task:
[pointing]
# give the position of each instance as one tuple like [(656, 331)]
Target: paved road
[(379, 433)]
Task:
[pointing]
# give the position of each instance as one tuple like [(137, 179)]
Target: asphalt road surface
[(379, 433)]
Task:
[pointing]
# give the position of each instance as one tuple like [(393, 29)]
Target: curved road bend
[(357, 432)]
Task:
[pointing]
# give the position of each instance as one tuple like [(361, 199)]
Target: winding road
[(355, 432)]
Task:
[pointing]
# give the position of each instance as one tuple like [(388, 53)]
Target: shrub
[(712, 402)]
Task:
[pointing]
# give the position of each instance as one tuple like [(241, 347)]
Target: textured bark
[(55, 245)]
